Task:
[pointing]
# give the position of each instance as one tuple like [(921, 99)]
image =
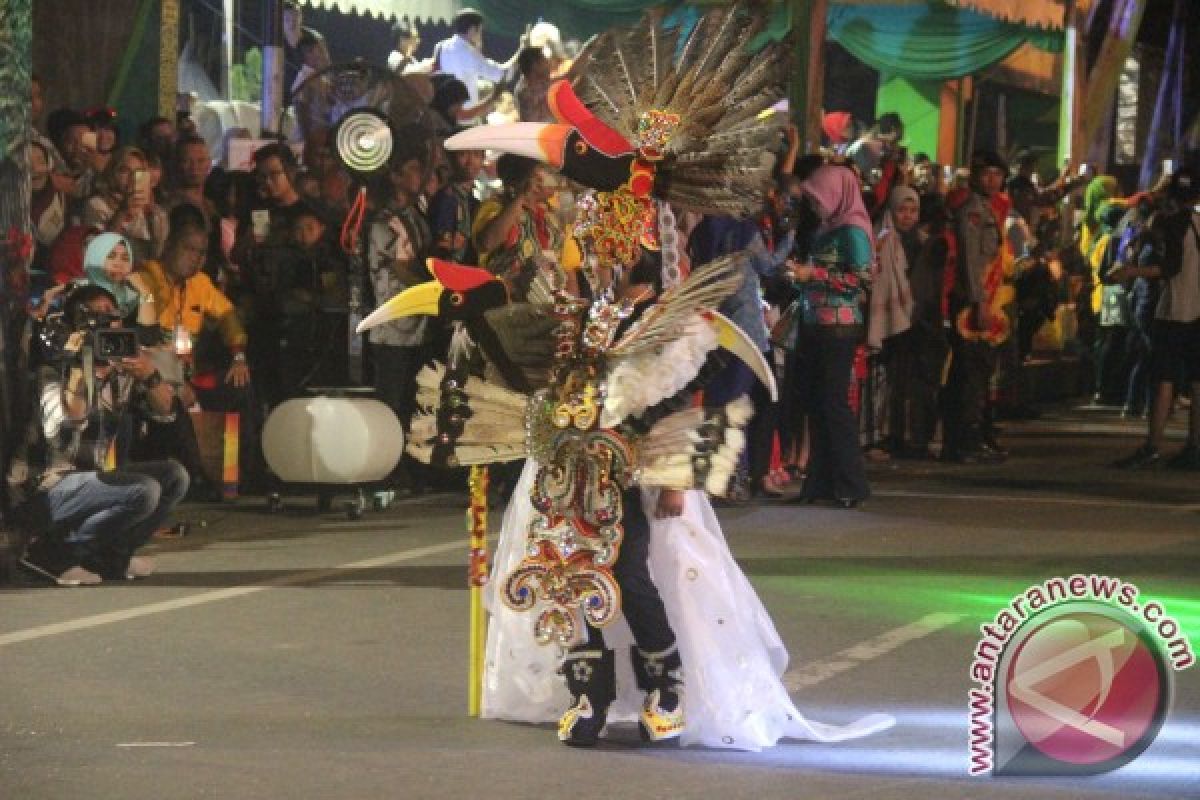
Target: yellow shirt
[(522, 237), (193, 302)]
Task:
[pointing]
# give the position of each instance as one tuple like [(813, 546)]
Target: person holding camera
[(516, 233), (125, 205), (91, 516)]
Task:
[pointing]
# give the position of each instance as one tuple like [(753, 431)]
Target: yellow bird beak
[(420, 299), (734, 339)]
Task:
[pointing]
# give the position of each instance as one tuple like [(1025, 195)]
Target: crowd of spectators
[(898, 298)]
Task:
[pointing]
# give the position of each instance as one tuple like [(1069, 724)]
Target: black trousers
[(1112, 373), (734, 381), (926, 363), (396, 371), (835, 461), (640, 600), (967, 393), (791, 409)]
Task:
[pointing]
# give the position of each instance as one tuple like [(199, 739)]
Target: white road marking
[(96, 620), (1042, 499), (155, 744), (812, 673)]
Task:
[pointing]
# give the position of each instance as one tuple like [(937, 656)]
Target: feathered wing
[(464, 420), (697, 448), (719, 160), (703, 290), (517, 340)]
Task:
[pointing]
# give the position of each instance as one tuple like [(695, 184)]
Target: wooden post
[(947, 148), (808, 69)]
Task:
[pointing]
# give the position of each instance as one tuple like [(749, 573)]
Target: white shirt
[(1180, 298), (399, 62), (458, 57)]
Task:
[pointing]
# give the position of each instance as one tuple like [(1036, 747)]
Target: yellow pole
[(168, 58), (477, 575)]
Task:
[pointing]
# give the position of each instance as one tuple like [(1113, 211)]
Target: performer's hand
[(670, 504)]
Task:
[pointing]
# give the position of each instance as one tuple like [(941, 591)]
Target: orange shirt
[(191, 303)]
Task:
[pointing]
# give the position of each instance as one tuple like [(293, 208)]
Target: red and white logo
[(1080, 690)]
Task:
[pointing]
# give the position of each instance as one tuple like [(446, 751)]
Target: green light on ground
[(904, 596)]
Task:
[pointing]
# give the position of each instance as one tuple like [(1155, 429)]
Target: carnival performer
[(734, 696), (597, 396)]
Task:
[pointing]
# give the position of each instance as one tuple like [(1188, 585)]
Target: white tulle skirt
[(733, 658)]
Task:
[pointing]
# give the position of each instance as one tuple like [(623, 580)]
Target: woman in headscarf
[(832, 291), (890, 316), (1098, 192), (1110, 303), (108, 263)]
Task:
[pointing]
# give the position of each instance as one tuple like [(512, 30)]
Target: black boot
[(591, 678), (660, 675)]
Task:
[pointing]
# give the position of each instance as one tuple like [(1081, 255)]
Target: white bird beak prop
[(537, 140), (735, 340)]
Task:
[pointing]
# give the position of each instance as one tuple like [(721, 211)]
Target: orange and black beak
[(560, 146), (540, 141), (456, 292), (579, 146)]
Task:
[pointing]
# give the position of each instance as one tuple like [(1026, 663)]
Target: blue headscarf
[(94, 256)]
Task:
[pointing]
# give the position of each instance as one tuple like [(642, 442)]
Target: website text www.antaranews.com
[(1037, 598)]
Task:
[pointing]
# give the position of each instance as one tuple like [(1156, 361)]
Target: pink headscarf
[(838, 197)]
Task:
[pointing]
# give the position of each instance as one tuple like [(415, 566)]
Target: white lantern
[(338, 440)]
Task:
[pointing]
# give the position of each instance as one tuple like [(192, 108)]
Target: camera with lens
[(59, 340), (114, 344)]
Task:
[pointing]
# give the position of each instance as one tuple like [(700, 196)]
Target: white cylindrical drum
[(332, 440)]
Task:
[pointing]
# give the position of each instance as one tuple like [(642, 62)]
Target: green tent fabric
[(583, 18), (929, 42), (926, 42)]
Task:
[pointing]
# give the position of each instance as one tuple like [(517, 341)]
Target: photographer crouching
[(89, 519)]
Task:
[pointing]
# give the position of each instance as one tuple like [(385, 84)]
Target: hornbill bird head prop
[(455, 293), (518, 336), (515, 337), (579, 145)]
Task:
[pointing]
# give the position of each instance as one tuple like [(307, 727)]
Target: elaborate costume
[(734, 696), (600, 400)]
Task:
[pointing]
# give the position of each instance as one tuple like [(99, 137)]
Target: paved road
[(300, 655)]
